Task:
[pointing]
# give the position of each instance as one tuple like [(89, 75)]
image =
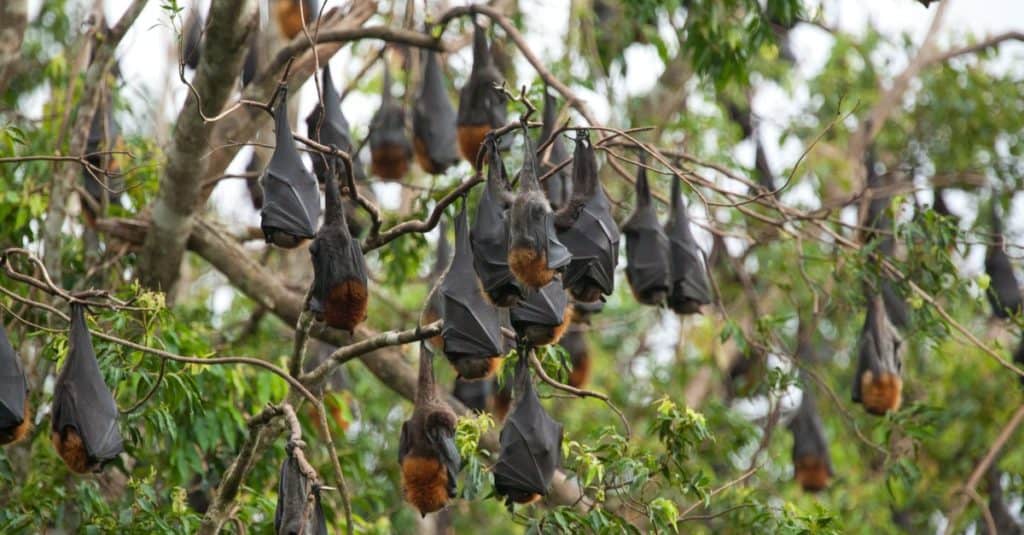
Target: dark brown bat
[(252, 58), (293, 516), (331, 129), (433, 120), (432, 311), (390, 150), (15, 412), (482, 107), (877, 384), (475, 395), (531, 443), (490, 235), (647, 263), (583, 312), (426, 449), (339, 296), (586, 227), (1018, 357), (558, 186), (192, 38), (290, 15), (575, 343), (812, 465), (1003, 292), (689, 279), (535, 253), (543, 316), (472, 329), (84, 423), (878, 219), (104, 135), (291, 195)]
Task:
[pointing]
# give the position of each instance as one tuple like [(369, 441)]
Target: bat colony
[(537, 260)]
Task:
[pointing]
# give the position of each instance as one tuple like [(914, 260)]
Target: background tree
[(884, 179)]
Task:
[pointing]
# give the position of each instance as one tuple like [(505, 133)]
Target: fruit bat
[(291, 195), (481, 104), (290, 15), (877, 384), (745, 374), (331, 129), (475, 395), (433, 120), (543, 316), (339, 295), (490, 235), (531, 443), (647, 264), (390, 150), (252, 58), (586, 227), (15, 413), (582, 312), (426, 449), (293, 516), (575, 343), (472, 329), (1003, 292), (104, 135), (689, 287), (535, 253), (812, 465), (193, 33), (558, 186), (878, 218), (84, 422)]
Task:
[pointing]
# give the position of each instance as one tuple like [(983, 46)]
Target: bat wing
[(292, 492), (330, 128), (471, 324), (543, 307), (530, 445), (808, 432), (594, 242), (13, 386), (387, 128), (433, 121), (291, 195), (449, 456), (473, 394), (319, 520), (558, 254), (878, 346), (1003, 293), (81, 397)]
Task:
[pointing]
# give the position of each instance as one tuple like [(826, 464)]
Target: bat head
[(477, 368), (813, 473), (877, 384), (339, 296)]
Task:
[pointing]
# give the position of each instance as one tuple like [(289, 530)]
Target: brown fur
[(470, 139), (528, 499), (286, 241), (430, 315), (811, 473), (530, 267), (423, 157), (580, 373), (881, 395), (389, 162), (18, 432), (588, 294), (289, 18), (474, 369), (501, 405), (346, 305), (425, 483), (71, 448)]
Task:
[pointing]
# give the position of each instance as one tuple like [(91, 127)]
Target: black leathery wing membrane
[(331, 129), (490, 236), (689, 279), (558, 186), (252, 58), (293, 516), (291, 195), (542, 317), (14, 407), (1003, 292), (481, 105), (589, 231), (811, 461), (390, 150), (472, 329), (84, 422), (531, 443), (193, 33), (433, 120), (339, 297), (647, 264), (877, 384), (535, 252), (475, 395)]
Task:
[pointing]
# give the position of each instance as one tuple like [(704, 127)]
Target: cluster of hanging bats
[(537, 260)]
